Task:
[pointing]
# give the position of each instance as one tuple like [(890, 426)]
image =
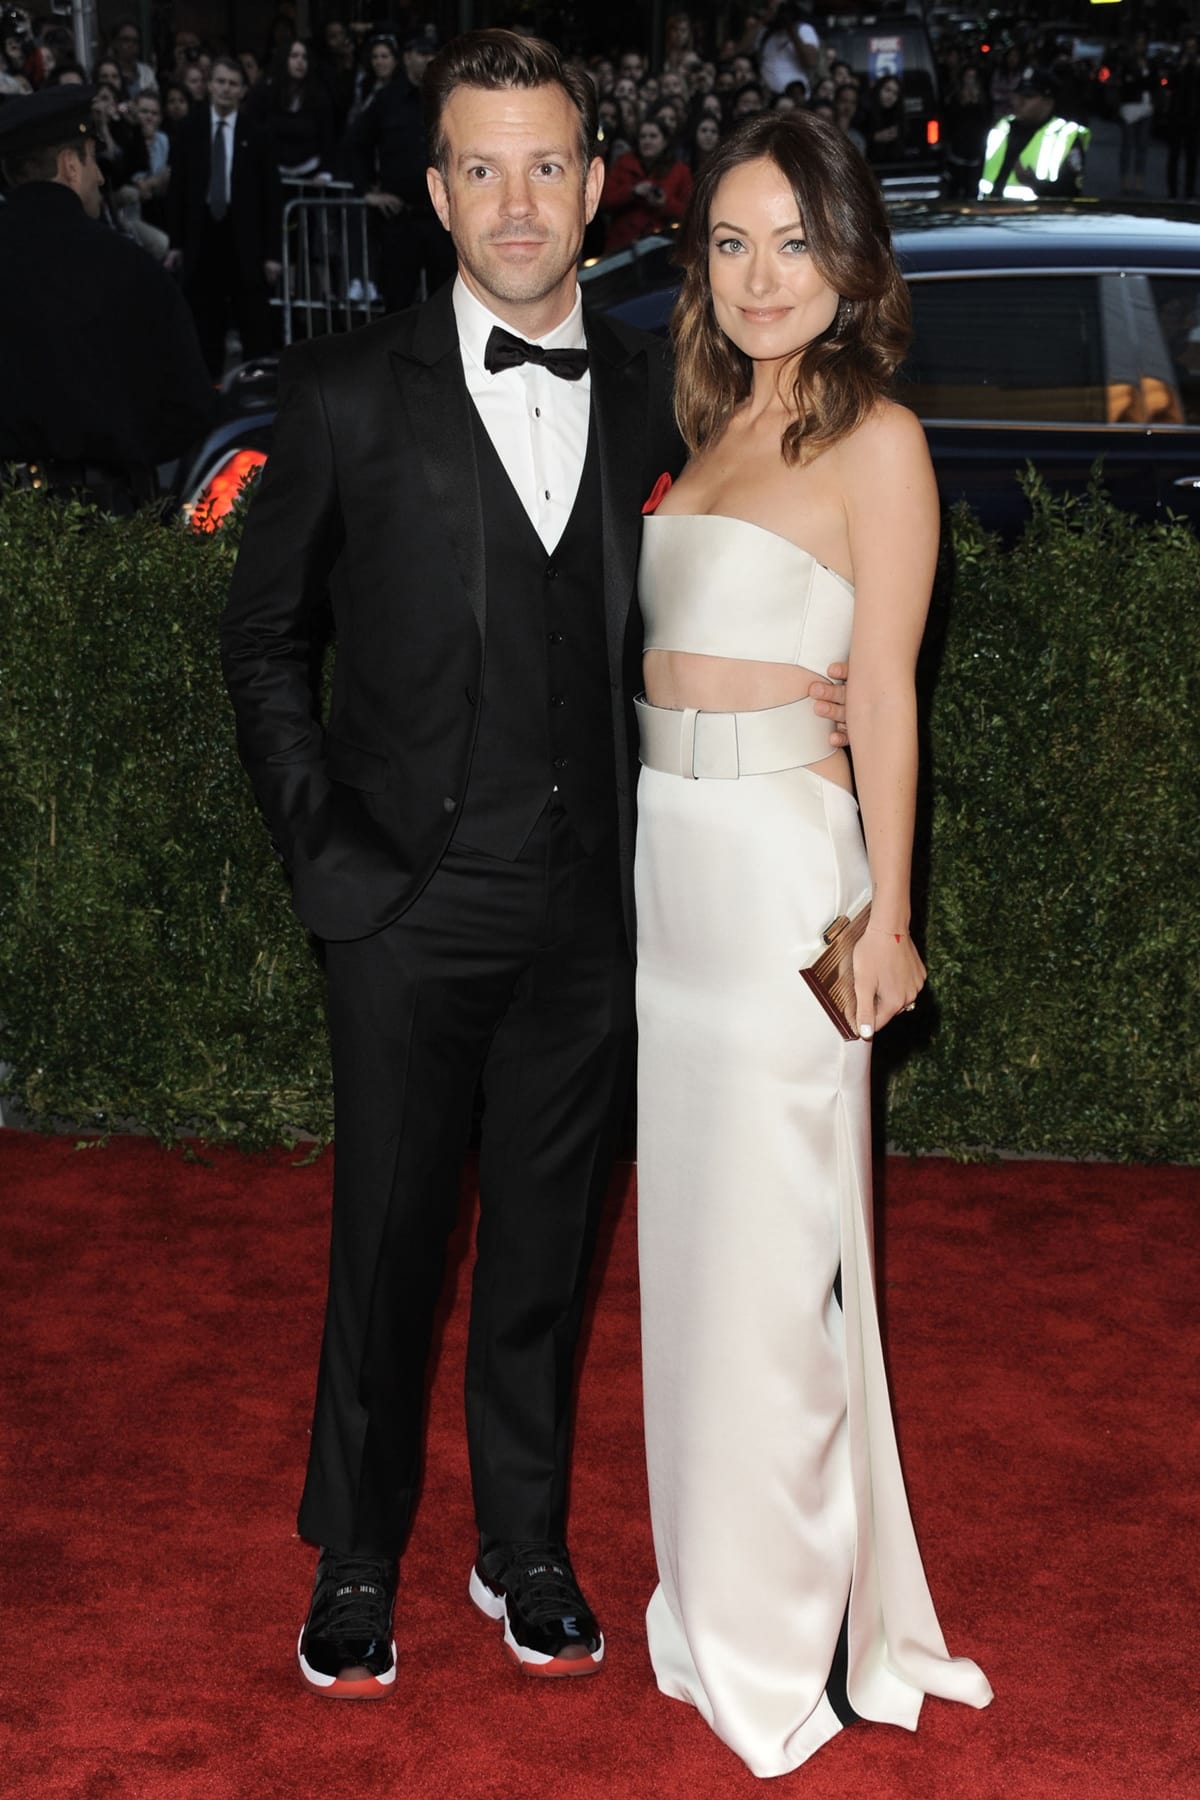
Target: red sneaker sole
[(561, 1666)]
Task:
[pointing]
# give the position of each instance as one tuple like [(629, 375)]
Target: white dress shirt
[(537, 422)]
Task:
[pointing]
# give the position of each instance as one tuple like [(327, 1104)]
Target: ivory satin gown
[(776, 1493)]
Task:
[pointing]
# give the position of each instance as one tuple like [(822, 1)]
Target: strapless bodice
[(713, 585)]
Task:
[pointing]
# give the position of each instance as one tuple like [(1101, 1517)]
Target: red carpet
[(161, 1326)]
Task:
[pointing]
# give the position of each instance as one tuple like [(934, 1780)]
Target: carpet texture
[(161, 1324)]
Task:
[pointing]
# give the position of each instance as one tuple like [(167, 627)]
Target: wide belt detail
[(706, 746)]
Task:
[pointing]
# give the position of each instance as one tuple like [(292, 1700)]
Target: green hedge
[(151, 971)]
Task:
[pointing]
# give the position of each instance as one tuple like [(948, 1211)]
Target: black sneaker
[(346, 1650), (548, 1625)]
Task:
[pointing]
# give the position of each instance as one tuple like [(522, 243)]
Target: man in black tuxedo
[(224, 208), (465, 481)]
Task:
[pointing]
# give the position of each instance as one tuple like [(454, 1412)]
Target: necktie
[(504, 351), (218, 181)]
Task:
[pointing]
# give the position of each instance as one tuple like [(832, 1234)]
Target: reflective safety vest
[(1044, 154)]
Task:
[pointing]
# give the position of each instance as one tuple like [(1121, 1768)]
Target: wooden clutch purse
[(831, 976)]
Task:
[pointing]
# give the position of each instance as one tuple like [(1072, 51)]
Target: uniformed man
[(104, 379), (1035, 152)]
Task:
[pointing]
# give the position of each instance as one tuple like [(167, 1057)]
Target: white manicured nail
[(866, 1031)]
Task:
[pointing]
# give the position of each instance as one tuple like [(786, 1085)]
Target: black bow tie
[(504, 351)]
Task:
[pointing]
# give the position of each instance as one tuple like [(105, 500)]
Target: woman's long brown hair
[(840, 375)]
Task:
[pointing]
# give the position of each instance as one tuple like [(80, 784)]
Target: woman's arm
[(892, 517)]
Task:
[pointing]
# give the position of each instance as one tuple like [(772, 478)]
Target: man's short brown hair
[(498, 60)]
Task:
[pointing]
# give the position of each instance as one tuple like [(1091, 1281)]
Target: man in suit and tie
[(465, 482), (224, 210)]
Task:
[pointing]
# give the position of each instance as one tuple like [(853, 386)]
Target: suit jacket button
[(448, 804)]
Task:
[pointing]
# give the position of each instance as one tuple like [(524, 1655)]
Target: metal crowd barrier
[(326, 250)]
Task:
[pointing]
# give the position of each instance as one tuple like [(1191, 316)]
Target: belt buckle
[(715, 747)]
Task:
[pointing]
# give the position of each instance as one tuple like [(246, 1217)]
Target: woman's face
[(824, 90), (708, 134), (176, 105), (624, 88), (250, 68), (383, 62), (107, 71), (769, 297), (668, 117), (889, 91), (651, 142), (710, 107), (648, 92), (297, 63), (194, 82)]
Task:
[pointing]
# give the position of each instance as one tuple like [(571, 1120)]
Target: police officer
[(104, 378), (1035, 152)]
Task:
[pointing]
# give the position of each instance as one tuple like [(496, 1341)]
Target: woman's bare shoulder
[(887, 449)]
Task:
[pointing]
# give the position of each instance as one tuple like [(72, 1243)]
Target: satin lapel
[(437, 411), (620, 400)]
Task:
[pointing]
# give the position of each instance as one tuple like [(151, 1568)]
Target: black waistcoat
[(545, 719)]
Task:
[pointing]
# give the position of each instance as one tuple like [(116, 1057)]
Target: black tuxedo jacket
[(255, 197), (371, 496)]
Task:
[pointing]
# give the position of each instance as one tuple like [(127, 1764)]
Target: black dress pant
[(221, 293), (519, 972)]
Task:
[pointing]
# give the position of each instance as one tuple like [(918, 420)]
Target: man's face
[(79, 170), (226, 88), (515, 198), (149, 115), (336, 37), (127, 44), (632, 65), (1032, 109)]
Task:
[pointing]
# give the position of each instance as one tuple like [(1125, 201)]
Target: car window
[(1177, 304), (1010, 347)]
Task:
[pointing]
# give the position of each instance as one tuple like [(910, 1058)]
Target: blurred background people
[(294, 106), (137, 77), (1183, 118), (387, 147), (645, 190), (968, 118), (224, 209)]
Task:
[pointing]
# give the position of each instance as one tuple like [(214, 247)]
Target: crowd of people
[(344, 107), (198, 143)]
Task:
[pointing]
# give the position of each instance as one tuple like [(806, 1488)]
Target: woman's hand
[(888, 976)]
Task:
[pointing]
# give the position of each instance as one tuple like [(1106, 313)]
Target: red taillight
[(933, 132), (221, 489), (1104, 73), (985, 49)]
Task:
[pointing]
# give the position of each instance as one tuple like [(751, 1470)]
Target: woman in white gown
[(791, 1594)]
